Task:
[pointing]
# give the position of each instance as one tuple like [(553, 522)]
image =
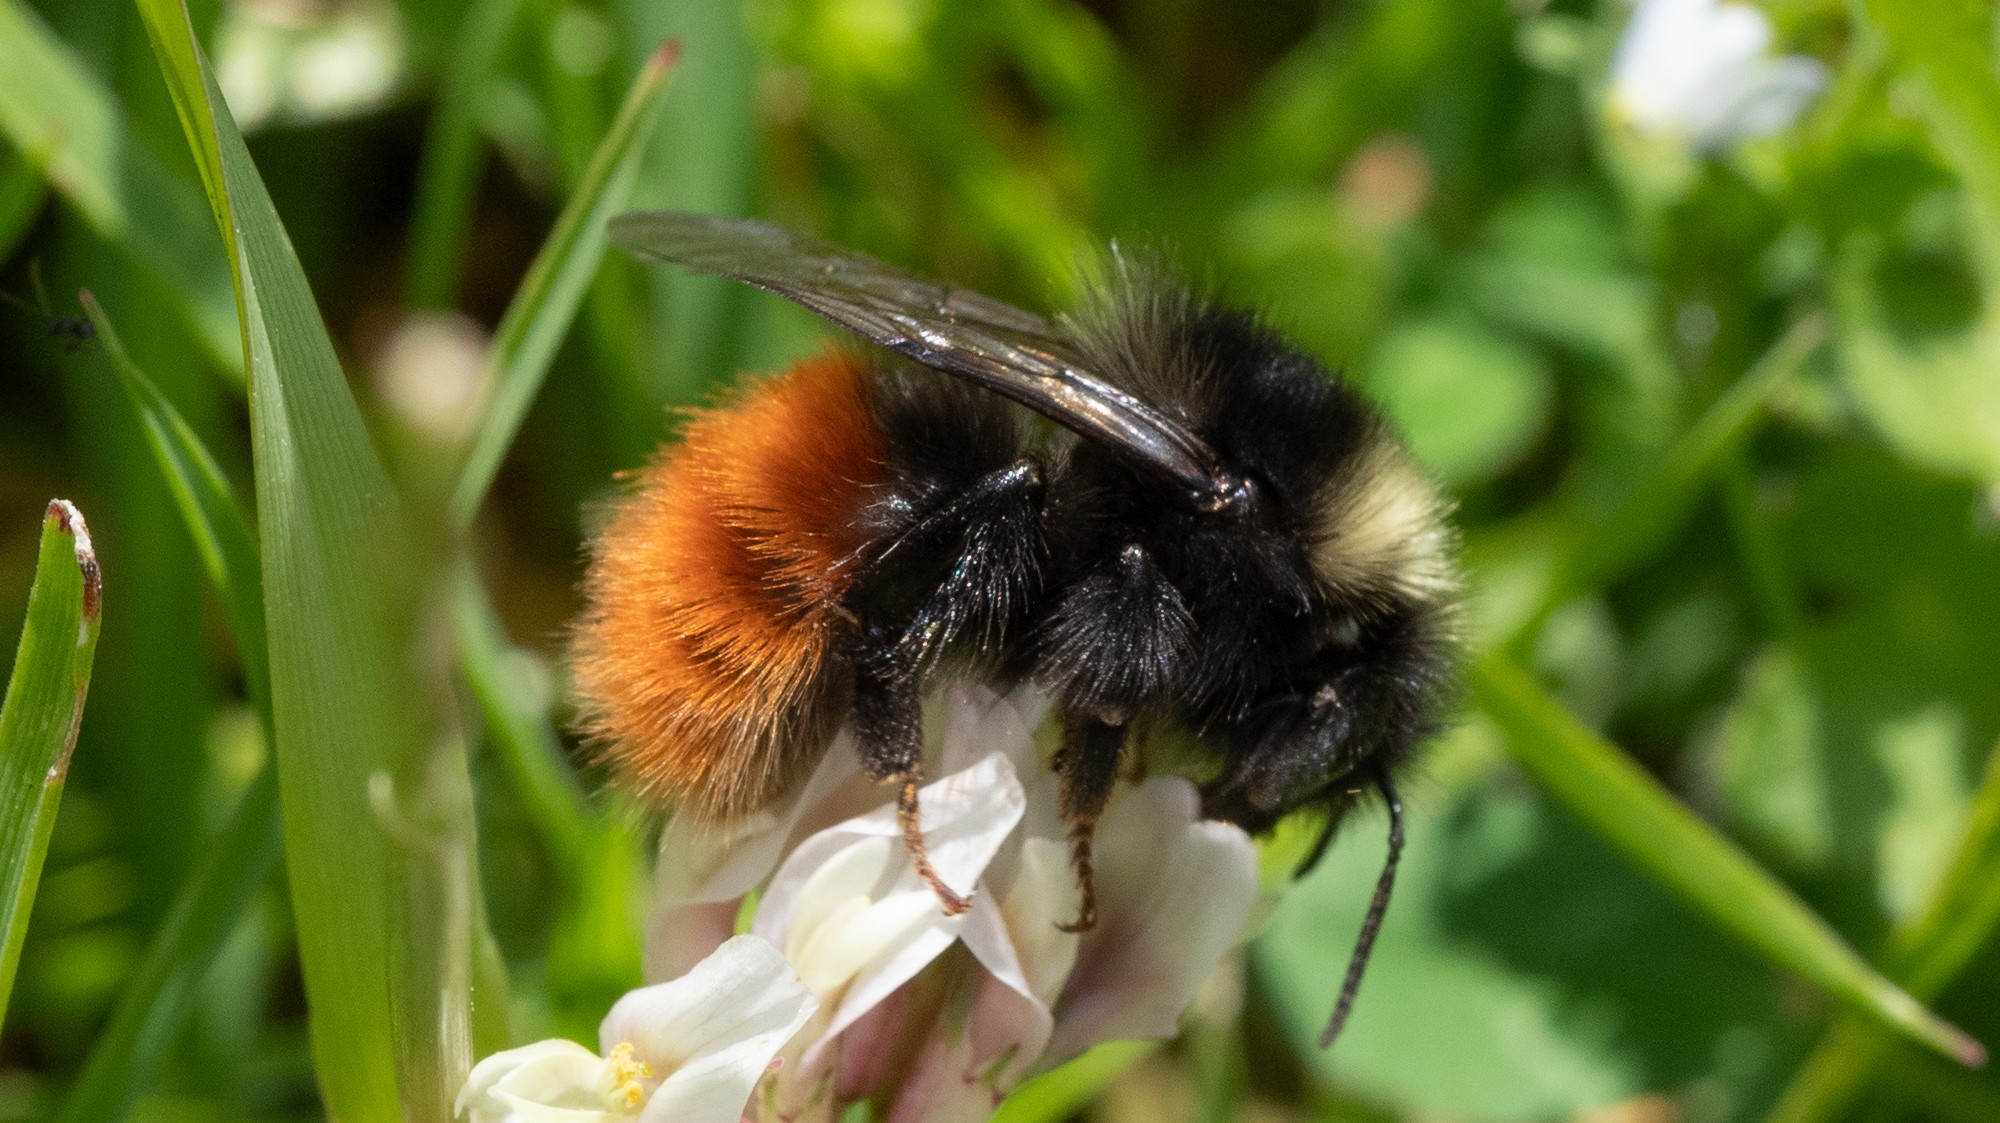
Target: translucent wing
[(1003, 348)]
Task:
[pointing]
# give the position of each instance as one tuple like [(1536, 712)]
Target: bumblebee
[(1216, 537)]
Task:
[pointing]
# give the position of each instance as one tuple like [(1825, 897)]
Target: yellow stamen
[(622, 1086)]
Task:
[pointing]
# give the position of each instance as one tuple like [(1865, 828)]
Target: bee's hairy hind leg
[(889, 737), (1088, 763)]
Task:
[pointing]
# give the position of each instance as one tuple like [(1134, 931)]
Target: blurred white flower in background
[(294, 60), (1700, 72), (431, 372), (687, 1051)]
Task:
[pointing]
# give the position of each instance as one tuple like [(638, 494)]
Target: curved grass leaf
[(62, 118), (328, 521), (547, 300), (1925, 955), (161, 993), (1630, 810), (208, 505), (39, 721)]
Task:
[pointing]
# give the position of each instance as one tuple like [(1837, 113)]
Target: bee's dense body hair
[(1303, 637), (814, 547)]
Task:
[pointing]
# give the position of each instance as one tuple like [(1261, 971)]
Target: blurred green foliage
[(1797, 631)]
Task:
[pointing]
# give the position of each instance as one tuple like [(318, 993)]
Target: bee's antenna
[(1371, 925)]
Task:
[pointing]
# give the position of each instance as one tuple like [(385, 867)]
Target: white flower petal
[(979, 721), (531, 1082), (808, 907), (1175, 892), (706, 862), (709, 1035)]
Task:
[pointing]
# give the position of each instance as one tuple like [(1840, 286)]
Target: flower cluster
[(854, 985)]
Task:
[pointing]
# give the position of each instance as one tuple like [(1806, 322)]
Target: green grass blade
[(161, 992), (62, 118), (160, 995), (547, 300), (327, 518), (208, 505), (448, 178), (1639, 818), (526, 747), (1925, 955), (1663, 499), (703, 158), (594, 953), (43, 710)]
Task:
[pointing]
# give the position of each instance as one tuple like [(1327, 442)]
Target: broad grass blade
[(39, 721), (1630, 810), (328, 521)]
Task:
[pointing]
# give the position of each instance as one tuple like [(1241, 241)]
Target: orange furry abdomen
[(704, 660)]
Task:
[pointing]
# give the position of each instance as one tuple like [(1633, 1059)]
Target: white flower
[(686, 1051), (936, 1016), (1699, 71)]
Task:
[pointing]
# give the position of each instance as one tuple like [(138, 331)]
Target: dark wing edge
[(1006, 349)]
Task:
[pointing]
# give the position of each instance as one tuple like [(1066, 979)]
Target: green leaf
[(1629, 809), (328, 523), (1934, 398), (61, 117), (1495, 994), (546, 303), (1469, 399), (39, 721), (1926, 954), (209, 507), (162, 991), (1598, 549), (1947, 46)]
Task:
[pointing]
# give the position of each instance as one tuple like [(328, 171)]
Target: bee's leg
[(977, 554), (889, 736), (1118, 640), (1088, 764)]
